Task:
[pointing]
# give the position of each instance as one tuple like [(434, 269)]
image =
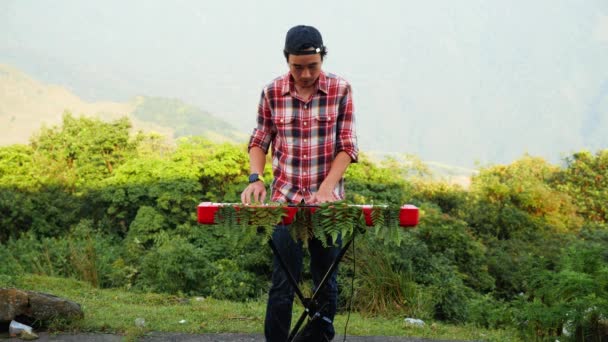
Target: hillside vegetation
[(185, 120), (524, 247)]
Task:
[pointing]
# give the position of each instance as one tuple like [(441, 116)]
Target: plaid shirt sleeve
[(347, 137), (264, 133)]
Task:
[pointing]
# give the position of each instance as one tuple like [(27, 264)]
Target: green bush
[(146, 231), (450, 198), (88, 201), (513, 263), (452, 239), (488, 312), (231, 282), (45, 256), (370, 183), (410, 279), (175, 266), (7, 281), (574, 296), (84, 254), (10, 265), (537, 321), (48, 211), (449, 292), (92, 253), (585, 180), (16, 210), (518, 200), (383, 288)]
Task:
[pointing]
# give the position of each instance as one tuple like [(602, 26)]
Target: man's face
[(305, 69)]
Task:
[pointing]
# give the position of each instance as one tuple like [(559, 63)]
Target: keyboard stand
[(311, 306)]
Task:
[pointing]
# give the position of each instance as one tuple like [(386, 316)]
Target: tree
[(82, 150), (17, 167), (585, 180), (518, 199)]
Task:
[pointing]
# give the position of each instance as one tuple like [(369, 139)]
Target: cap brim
[(304, 52)]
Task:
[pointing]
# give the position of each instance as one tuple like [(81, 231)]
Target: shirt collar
[(323, 82), (288, 83)]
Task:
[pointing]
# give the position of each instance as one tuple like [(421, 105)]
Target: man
[(307, 116)]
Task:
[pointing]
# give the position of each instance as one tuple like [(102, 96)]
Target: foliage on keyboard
[(386, 224), (302, 227), (262, 218), (328, 222), (337, 219)]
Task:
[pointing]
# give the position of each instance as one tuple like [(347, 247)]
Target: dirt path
[(162, 337)]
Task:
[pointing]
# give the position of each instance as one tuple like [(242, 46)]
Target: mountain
[(27, 104), (469, 85), (184, 119)]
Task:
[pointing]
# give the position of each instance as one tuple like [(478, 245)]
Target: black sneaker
[(312, 333)]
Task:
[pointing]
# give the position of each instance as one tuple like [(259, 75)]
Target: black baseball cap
[(300, 39)]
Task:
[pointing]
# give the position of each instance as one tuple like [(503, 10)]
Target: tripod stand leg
[(311, 301), (285, 269), (294, 331)]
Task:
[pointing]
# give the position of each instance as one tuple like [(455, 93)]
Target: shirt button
[(305, 173), (305, 107), (305, 156), (303, 189), (281, 120), (305, 123), (305, 140)]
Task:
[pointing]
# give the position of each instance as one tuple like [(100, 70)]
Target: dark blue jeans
[(281, 294)]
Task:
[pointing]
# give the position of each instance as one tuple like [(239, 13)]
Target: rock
[(47, 307), (140, 322), (13, 303), (414, 321), (27, 335), (36, 306)]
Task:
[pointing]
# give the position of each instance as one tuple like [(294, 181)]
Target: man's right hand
[(257, 189)]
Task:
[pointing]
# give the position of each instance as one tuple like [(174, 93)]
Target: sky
[(460, 82)]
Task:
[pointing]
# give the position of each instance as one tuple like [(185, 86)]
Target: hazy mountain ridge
[(184, 119), (27, 104)]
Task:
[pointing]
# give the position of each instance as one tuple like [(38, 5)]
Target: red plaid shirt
[(306, 136)]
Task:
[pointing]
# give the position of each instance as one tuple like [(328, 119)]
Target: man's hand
[(257, 189), (336, 171), (325, 194)]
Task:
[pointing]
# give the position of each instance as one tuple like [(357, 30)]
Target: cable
[(352, 288)]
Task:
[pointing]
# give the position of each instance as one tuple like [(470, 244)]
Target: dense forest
[(525, 246)]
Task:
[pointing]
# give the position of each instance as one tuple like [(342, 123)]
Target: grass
[(115, 311)]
